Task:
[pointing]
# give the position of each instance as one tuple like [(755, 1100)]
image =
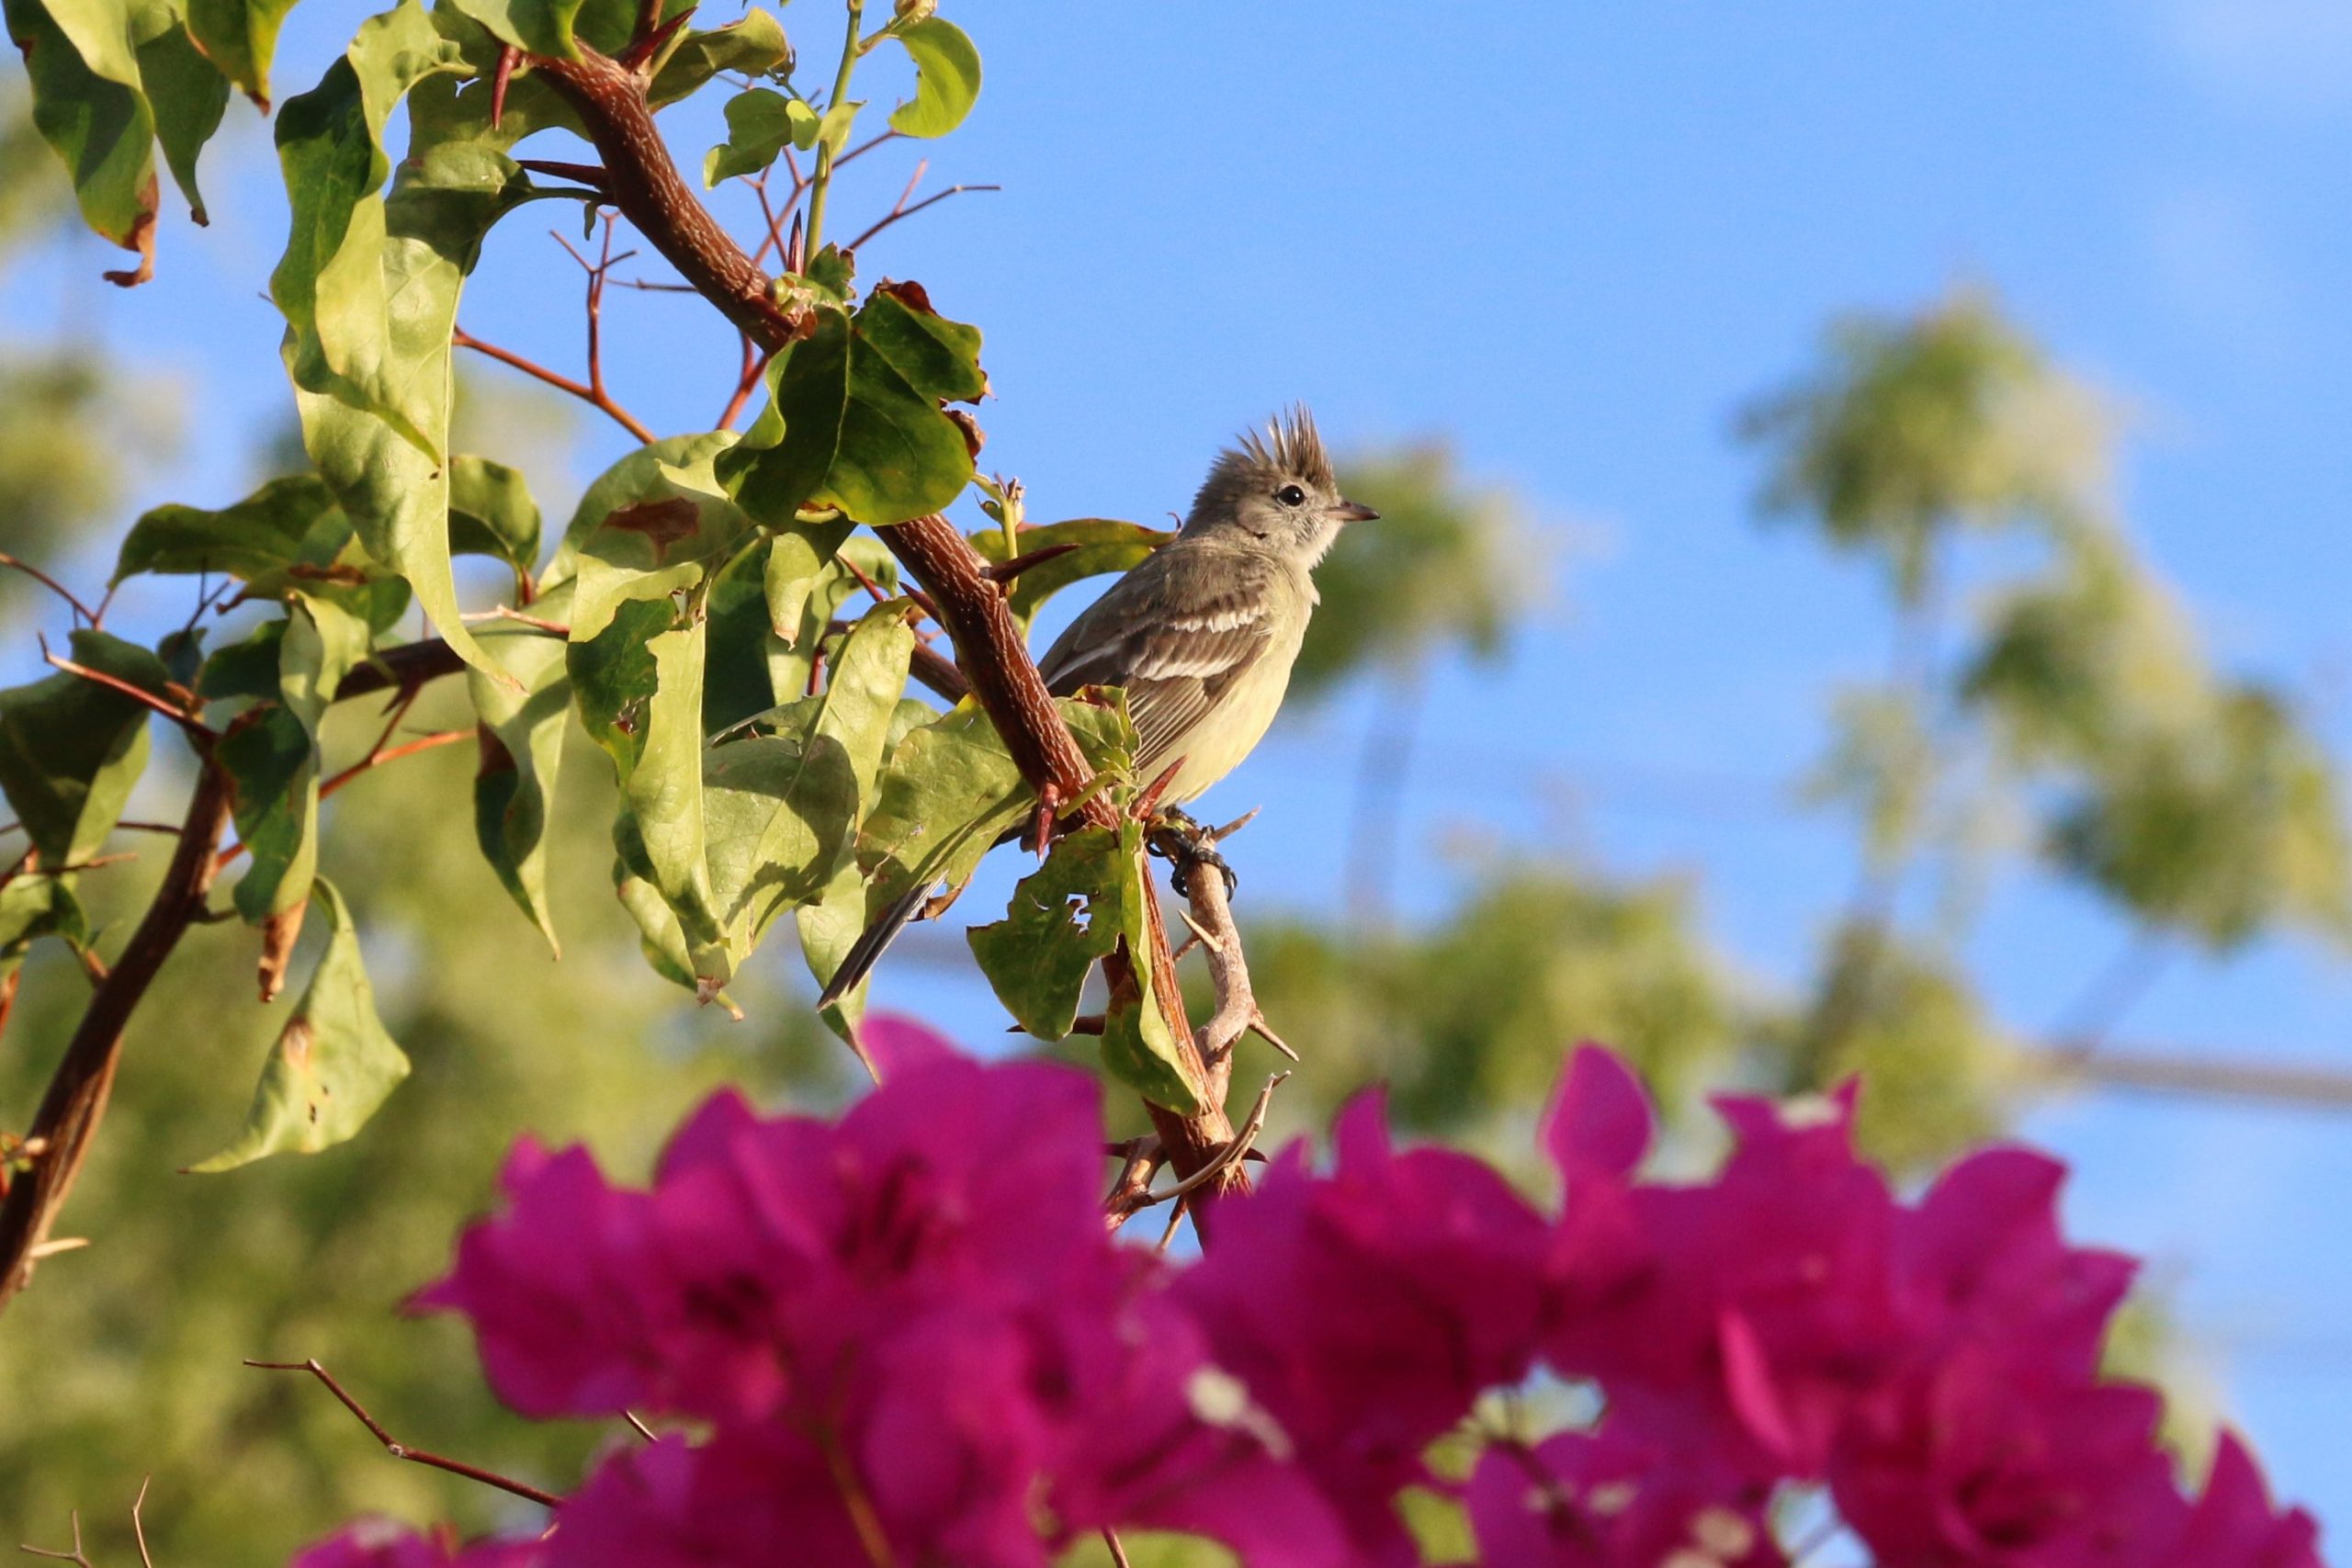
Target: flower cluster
[(907, 1337)]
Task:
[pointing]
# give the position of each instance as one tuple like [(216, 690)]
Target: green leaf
[(521, 733), (735, 682), (861, 428), (666, 538), (947, 78), (186, 94), (833, 128), (820, 601), (1103, 546), (633, 478), (802, 551), (369, 288), (71, 748), (253, 538), (32, 907), (333, 1062), (89, 105), (950, 788), (273, 767), (491, 513), (753, 46), (246, 667), (323, 642), (1065, 915), (534, 27), (638, 687), (761, 122), (829, 926), (240, 36), (1136, 1045)]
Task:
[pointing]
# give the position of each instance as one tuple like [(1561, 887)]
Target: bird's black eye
[(1291, 495)]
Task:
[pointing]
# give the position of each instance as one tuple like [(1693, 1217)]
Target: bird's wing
[(1175, 651)]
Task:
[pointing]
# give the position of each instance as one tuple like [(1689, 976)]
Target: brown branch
[(401, 1450), (76, 1099), (460, 338), (76, 1555), (610, 100)]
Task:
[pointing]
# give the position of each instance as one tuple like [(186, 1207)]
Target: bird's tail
[(861, 958)]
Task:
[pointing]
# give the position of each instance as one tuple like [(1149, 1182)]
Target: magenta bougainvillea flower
[(907, 1337)]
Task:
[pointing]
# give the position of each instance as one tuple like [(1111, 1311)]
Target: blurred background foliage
[(2061, 708)]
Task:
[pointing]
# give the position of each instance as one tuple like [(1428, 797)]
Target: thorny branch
[(401, 1450), (611, 102)]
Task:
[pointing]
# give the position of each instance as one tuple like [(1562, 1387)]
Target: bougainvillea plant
[(898, 1338)]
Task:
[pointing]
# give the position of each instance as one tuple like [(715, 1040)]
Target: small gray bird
[(1202, 634)]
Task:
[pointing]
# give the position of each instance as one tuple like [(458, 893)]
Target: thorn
[(1259, 1027), (1219, 835), (637, 56), (1003, 572), (1200, 934), (507, 58), (1148, 807)]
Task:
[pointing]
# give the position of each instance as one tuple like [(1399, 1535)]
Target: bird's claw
[(1187, 846)]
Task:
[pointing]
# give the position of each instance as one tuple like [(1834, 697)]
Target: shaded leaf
[(333, 1062), (71, 750), (90, 107), (240, 38), (491, 513), (255, 538), (947, 77), (187, 95), (35, 907), (273, 768), (1065, 915), (521, 733)]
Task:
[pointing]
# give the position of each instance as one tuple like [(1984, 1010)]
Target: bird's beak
[(1354, 511)]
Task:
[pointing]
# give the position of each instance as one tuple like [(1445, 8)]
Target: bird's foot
[(1187, 846)]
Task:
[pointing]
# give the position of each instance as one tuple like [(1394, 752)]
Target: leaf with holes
[(333, 1062), (1065, 916)]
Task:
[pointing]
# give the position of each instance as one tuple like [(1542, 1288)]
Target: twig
[(747, 381), (51, 584), (179, 716), (373, 759), (586, 174), (1118, 1553), (401, 1450), (138, 1526), (1226, 1157), (76, 1556), (505, 612), (460, 338), (899, 215), (641, 1429)]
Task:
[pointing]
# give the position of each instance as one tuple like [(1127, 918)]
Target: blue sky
[(1572, 239)]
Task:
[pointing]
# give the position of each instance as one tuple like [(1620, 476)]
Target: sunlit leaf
[(491, 513), (333, 1062), (185, 91), (760, 123), (521, 734), (947, 78), (753, 46), (534, 27), (861, 428)]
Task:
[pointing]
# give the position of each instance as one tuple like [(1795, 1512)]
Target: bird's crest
[(1291, 443)]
